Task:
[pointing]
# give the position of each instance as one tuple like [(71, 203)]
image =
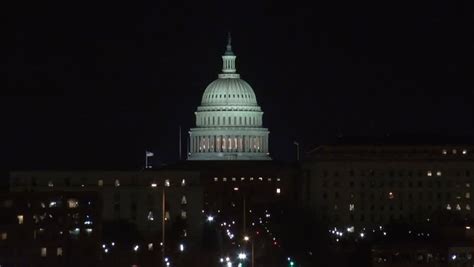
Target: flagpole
[(180, 149), (163, 198), (146, 159)]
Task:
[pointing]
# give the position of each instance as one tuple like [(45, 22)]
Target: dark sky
[(112, 78)]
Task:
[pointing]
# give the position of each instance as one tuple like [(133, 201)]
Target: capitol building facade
[(229, 120)]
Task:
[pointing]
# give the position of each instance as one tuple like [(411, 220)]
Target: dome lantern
[(228, 60)]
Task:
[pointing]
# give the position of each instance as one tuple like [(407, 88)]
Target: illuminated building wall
[(375, 185), (50, 228)]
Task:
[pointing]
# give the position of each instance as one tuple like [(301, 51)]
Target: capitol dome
[(229, 91), (229, 120)]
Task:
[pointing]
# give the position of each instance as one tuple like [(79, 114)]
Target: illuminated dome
[(229, 91), (229, 120)]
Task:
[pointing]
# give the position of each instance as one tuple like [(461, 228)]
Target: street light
[(297, 150), (292, 263), (246, 239)]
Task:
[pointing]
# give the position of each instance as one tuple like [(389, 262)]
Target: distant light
[(246, 238), (236, 189), (242, 256), (113, 244), (278, 190), (154, 185), (384, 233), (181, 247), (106, 250), (221, 260), (229, 264), (362, 235), (468, 227), (227, 259), (210, 218), (136, 247), (453, 257)]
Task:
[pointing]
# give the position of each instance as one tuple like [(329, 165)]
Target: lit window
[(167, 183), (236, 189), (224, 179), (50, 183), (242, 178), (150, 246), (448, 207), (216, 179), (184, 200), (117, 182), (390, 195), (429, 173), (150, 216), (153, 184), (59, 251), (20, 219), (183, 214), (183, 182), (351, 207), (278, 179), (88, 231), (278, 190), (468, 207), (100, 182), (72, 203), (233, 179), (445, 152), (43, 252), (458, 207), (468, 195), (4, 236), (455, 151), (439, 173), (464, 151), (251, 178), (269, 179), (260, 178)]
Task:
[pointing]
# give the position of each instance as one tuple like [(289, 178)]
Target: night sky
[(109, 79)]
